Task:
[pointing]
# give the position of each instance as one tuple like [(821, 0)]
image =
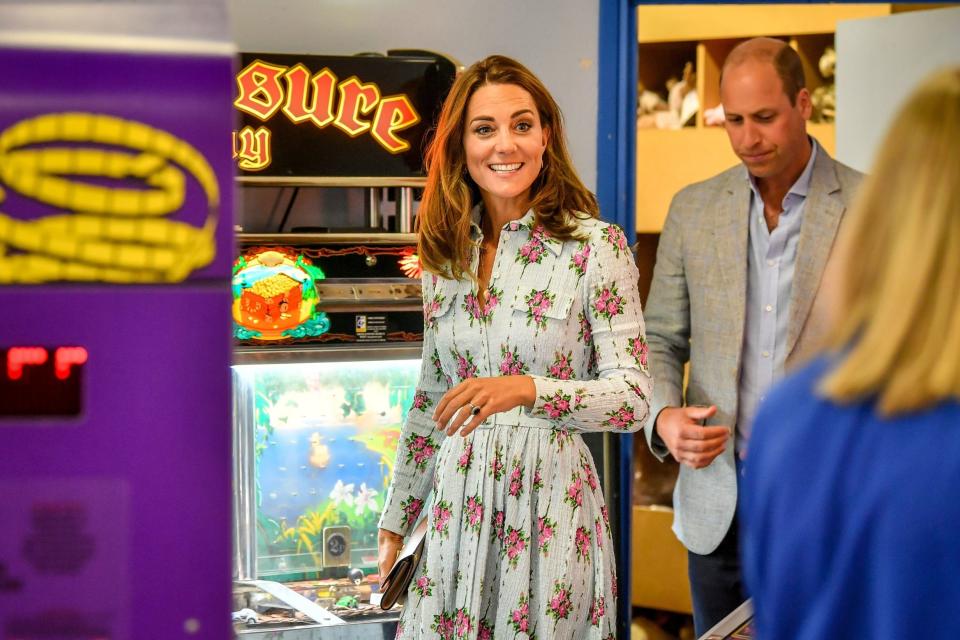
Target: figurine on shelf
[(679, 108), (824, 97), (649, 104)]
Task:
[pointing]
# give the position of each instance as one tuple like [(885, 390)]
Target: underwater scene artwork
[(325, 438)]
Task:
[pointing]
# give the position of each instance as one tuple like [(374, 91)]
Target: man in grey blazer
[(738, 292)]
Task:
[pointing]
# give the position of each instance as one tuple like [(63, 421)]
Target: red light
[(20, 357), (66, 357)]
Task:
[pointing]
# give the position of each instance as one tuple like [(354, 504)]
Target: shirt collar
[(526, 222)]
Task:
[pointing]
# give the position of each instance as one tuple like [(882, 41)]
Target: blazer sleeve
[(668, 323), (618, 399)]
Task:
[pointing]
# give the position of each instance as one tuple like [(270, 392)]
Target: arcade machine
[(115, 254), (328, 325)]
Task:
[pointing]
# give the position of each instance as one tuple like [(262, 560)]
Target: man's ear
[(804, 103)]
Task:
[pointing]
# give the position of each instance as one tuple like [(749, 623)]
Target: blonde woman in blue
[(533, 334)]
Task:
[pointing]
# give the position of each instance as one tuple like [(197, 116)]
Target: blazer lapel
[(730, 241), (821, 218)]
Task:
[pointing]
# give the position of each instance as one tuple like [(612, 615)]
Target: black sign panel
[(336, 116)]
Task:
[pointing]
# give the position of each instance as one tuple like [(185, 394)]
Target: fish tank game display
[(320, 435)]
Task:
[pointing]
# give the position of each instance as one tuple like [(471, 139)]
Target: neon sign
[(318, 99)]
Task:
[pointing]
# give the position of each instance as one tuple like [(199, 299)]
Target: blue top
[(771, 262), (851, 522)]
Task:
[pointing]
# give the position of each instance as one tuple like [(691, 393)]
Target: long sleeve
[(413, 468), (668, 326), (618, 398)]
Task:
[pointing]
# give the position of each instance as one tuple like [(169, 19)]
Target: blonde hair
[(443, 220), (897, 331)]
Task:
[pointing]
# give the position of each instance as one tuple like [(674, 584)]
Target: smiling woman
[(533, 334)]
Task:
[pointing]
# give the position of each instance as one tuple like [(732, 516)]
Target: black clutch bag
[(394, 586)]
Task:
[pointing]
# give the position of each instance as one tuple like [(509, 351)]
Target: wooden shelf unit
[(670, 35)]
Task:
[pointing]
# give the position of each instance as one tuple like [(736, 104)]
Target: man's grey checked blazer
[(696, 311)]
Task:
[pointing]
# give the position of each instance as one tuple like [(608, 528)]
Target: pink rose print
[(422, 402), (623, 418), (424, 586), (614, 589), (637, 390), (411, 510), (462, 623), (499, 517), (638, 349), (560, 605), (614, 235), (538, 302), (441, 516), (497, 466), (465, 366), (578, 402), (400, 624), (482, 314), (510, 364), (537, 478), (581, 541), (531, 252), (465, 459), (606, 517), (514, 544), (419, 450), (545, 529), (560, 437), (561, 368), (574, 496), (438, 368), (556, 406), (430, 309), (608, 303), (580, 259), (520, 617), (516, 480), (598, 527), (443, 625), (586, 335), (597, 609), (474, 514), (484, 631), (588, 475)]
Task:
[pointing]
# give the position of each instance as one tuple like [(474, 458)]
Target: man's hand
[(691, 444), (389, 544)]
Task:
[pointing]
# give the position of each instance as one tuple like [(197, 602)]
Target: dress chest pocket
[(540, 306)]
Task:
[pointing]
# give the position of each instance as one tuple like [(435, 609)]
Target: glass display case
[(316, 433)]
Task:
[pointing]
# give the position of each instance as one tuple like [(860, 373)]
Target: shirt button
[(769, 307), (765, 354), (771, 263)]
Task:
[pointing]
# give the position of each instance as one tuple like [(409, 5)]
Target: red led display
[(41, 381)]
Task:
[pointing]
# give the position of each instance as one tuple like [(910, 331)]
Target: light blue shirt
[(771, 258)]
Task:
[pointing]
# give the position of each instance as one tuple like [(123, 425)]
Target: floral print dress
[(518, 544)]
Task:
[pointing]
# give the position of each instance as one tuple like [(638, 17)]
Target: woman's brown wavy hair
[(557, 196)]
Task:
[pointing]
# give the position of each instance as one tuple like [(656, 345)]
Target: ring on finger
[(474, 409)]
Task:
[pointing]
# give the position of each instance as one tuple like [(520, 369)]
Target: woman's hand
[(473, 401), (389, 545)]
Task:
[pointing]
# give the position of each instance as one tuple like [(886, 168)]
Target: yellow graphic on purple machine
[(113, 184)]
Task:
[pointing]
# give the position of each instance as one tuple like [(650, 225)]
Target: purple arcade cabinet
[(115, 256)]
